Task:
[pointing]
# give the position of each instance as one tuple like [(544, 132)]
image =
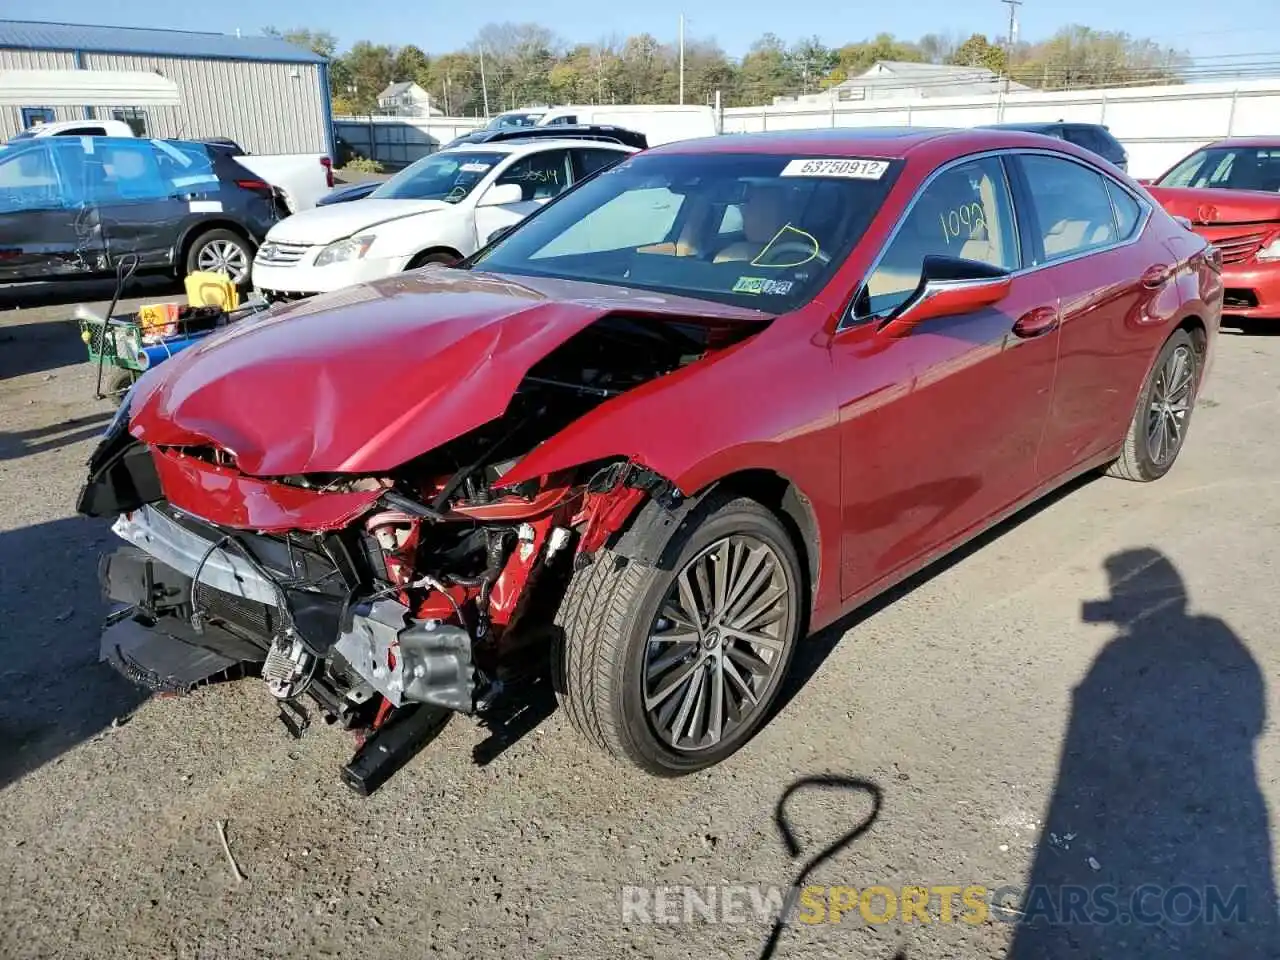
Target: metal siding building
[(267, 95)]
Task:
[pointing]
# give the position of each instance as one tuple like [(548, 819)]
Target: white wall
[(1157, 125)]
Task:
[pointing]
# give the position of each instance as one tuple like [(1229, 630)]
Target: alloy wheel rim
[(223, 256), (1170, 406), (716, 643)]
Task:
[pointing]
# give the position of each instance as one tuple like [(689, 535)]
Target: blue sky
[(439, 27)]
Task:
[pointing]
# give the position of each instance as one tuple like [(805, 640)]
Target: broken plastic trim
[(629, 473)]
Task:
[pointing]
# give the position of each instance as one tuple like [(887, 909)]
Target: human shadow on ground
[(1156, 840)]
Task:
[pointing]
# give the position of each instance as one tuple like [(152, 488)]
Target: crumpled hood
[(341, 220), (366, 378), (1205, 206)]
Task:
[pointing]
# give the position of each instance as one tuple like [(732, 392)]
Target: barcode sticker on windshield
[(853, 169)]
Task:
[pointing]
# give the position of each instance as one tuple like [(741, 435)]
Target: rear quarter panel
[(1200, 285)]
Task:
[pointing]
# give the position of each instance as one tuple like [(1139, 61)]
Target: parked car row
[(302, 178), (440, 209), (707, 400), (72, 207)]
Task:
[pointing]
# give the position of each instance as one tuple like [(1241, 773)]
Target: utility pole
[(1013, 35), (484, 86), (682, 59)]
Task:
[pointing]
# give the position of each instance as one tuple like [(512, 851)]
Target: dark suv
[(72, 206), (1092, 136)]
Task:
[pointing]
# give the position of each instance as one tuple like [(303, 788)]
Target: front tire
[(674, 667), (1163, 416), (440, 257)]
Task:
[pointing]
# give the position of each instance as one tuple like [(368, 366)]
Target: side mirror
[(500, 194), (499, 233), (1145, 181), (949, 286)]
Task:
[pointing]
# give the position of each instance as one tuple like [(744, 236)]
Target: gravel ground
[(1016, 733)]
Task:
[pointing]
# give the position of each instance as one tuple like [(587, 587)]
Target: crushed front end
[(387, 601)]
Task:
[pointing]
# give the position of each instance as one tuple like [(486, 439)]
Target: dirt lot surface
[(1018, 733)]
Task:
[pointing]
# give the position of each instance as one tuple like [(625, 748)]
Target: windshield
[(1228, 168), (506, 121), (447, 176), (753, 230)]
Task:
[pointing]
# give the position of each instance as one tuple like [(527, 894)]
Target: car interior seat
[(764, 213), (1074, 220)]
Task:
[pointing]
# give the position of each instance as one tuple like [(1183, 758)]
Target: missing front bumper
[(378, 648)]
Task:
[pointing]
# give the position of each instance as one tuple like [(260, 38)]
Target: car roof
[(879, 142), (533, 145), (1272, 141)]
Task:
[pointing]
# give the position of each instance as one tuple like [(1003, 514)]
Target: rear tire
[(222, 251), (1163, 415), (628, 683)]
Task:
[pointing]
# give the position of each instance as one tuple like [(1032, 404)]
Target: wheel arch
[(415, 261), (647, 529), (193, 232), (1196, 329)]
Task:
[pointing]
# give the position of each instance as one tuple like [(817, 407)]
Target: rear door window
[(589, 161), (119, 170), (1072, 207), (541, 176)]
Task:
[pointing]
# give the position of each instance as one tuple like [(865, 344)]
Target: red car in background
[(1230, 192), (704, 403)]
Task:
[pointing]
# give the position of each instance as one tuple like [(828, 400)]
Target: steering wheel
[(793, 253)]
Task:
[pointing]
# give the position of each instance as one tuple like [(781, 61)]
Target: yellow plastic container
[(207, 289)]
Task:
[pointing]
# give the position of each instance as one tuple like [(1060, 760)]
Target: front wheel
[(440, 256), (673, 667), (1160, 423)]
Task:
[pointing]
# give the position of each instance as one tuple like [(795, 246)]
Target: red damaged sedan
[(1230, 192), (708, 401)]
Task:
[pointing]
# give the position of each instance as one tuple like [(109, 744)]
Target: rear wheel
[(673, 667), (1160, 423), (221, 251)]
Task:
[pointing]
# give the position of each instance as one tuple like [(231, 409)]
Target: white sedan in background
[(438, 210)]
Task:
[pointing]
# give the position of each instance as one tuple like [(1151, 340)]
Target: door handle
[(1035, 322), (1156, 275)]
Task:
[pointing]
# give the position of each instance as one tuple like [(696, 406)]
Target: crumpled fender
[(703, 422)]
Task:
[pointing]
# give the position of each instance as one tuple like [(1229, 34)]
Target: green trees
[(525, 64)]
